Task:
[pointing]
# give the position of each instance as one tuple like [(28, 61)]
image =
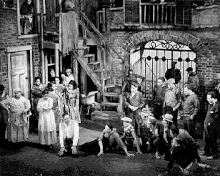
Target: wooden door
[(19, 72)]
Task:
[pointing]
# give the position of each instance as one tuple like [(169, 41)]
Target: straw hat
[(168, 117), (126, 119), (66, 117)]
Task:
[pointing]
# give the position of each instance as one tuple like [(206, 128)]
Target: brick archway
[(176, 36)]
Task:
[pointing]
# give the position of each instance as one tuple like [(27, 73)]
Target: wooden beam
[(90, 73), (18, 48), (51, 45), (57, 62)]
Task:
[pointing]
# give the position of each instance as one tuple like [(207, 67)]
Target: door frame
[(10, 50)]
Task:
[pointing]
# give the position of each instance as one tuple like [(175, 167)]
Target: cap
[(189, 69), (174, 62), (126, 119), (168, 117), (171, 81)]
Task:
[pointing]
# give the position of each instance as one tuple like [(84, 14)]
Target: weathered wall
[(9, 38), (205, 43)]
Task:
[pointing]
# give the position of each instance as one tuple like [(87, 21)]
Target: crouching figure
[(68, 136), (129, 136), (110, 139)]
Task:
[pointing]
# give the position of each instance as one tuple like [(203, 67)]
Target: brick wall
[(9, 38), (205, 43)]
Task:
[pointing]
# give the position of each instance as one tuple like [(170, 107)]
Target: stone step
[(111, 94), (109, 104)]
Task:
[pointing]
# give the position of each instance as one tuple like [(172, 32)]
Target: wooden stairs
[(96, 70)]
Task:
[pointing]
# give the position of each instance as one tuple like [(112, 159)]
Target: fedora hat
[(168, 117), (126, 119)]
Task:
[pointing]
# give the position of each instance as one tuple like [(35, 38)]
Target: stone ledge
[(207, 7)]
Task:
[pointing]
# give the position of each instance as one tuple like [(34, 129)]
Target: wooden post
[(57, 62)]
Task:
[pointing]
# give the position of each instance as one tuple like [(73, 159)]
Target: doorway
[(20, 70)]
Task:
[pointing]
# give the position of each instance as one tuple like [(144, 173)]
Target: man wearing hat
[(68, 135), (129, 135), (193, 78), (172, 100), (173, 72), (161, 139)]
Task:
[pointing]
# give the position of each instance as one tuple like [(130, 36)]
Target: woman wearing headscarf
[(17, 128), (46, 124)]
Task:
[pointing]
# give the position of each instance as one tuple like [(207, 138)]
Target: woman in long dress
[(17, 127), (72, 102), (46, 124), (56, 103)]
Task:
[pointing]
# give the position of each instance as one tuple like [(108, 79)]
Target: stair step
[(110, 86), (109, 104), (91, 57), (111, 94), (94, 63), (82, 48)]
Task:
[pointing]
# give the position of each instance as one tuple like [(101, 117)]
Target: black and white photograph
[(109, 87)]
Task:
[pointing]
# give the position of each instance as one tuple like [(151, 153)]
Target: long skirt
[(17, 129), (47, 138), (47, 128)]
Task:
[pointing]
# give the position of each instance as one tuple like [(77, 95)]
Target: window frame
[(8, 8), (37, 11), (116, 8)]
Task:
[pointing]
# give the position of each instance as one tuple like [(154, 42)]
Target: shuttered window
[(183, 12), (132, 12)]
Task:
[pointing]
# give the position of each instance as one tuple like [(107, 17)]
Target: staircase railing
[(87, 24)]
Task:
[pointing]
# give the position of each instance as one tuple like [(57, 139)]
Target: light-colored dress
[(18, 122), (46, 124), (56, 107), (72, 101)]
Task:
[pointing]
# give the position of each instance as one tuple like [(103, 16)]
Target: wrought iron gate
[(152, 60)]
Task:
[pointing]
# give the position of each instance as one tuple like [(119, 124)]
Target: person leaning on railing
[(26, 17)]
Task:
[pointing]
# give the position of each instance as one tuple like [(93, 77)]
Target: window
[(9, 4), (116, 4), (27, 20)]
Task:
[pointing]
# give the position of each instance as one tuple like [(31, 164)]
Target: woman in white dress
[(46, 124)]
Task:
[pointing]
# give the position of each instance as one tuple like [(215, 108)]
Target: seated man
[(129, 135), (109, 139), (68, 135), (184, 151)]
